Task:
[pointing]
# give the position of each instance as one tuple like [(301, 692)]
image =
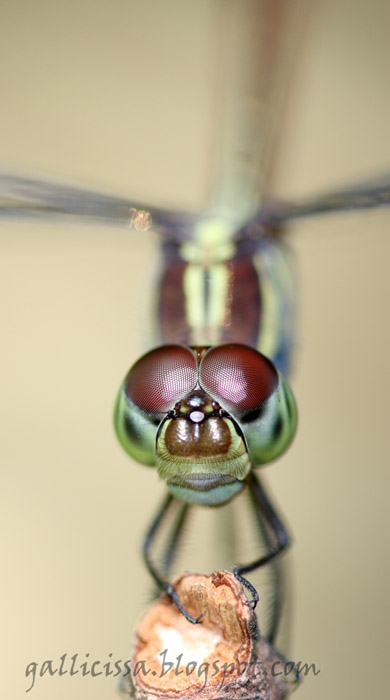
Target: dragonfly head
[(201, 452), (205, 417)]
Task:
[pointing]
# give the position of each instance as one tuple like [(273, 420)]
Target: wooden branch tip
[(223, 657)]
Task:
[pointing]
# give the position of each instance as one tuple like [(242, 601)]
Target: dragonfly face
[(205, 416)]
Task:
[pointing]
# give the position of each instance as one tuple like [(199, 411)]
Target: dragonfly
[(202, 255), (207, 407)]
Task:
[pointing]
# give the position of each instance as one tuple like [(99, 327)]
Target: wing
[(255, 49), (358, 198), (26, 197)]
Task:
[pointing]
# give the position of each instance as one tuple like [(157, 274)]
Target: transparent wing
[(360, 197), (26, 197), (255, 47)]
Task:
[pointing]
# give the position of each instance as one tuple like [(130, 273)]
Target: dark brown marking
[(197, 440), (172, 304), (243, 302)]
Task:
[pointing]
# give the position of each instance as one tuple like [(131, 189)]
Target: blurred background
[(119, 96)]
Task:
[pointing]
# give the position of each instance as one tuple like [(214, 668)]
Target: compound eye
[(238, 376), (161, 377)]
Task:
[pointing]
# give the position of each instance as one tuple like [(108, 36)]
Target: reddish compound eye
[(161, 377), (238, 376)]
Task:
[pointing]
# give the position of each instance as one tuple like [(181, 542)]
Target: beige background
[(104, 93)]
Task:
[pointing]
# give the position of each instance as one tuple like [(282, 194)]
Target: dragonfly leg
[(174, 538), (277, 538), (167, 587)]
